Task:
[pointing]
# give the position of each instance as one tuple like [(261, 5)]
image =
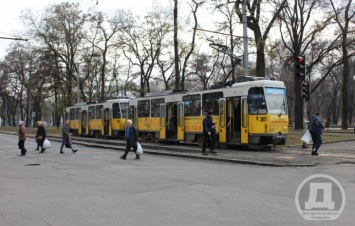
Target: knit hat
[(210, 113), (20, 123)]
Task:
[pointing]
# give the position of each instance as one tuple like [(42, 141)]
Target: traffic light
[(300, 68), (306, 91)]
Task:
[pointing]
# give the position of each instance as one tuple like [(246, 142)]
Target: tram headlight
[(272, 128), (285, 128)]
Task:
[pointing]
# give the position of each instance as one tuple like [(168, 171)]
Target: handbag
[(139, 149), (46, 144), (67, 144), (307, 137)]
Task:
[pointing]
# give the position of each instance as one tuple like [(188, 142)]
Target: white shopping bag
[(46, 144), (306, 137), (139, 149)]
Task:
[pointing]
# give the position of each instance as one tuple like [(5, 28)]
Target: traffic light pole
[(304, 144), (245, 38)]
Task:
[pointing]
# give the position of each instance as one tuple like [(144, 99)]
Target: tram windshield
[(276, 100), (270, 100)]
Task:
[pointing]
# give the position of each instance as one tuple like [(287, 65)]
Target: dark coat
[(41, 132), (315, 125), (65, 131), (133, 136), (208, 125)]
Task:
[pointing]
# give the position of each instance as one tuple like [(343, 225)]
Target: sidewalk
[(329, 154)]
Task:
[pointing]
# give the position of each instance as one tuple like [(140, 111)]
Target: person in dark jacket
[(41, 135), (208, 133), (66, 137), (316, 128), (37, 142), (22, 137), (131, 139)]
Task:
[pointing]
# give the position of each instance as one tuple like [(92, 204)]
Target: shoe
[(61, 152), (75, 150), (36, 149), (136, 158), (22, 155), (314, 153), (124, 158), (204, 153), (41, 151)]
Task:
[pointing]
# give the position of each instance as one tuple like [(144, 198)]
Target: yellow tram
[(251, 113), (99, 119)]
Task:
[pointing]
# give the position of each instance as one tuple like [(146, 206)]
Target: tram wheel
[(144, 137), (200, 140), (155, 139), (223, 145)]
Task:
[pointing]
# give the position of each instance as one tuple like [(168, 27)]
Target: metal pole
[(78, 84), (245, 39), (304, 144)]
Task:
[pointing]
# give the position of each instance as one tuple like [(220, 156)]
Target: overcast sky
[(10, 12)]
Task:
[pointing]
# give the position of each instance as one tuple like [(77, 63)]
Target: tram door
[(222, 121), (244, 122), (80, 117), (105, 121), (83, 123), (180, 121), (133, 115), (163, 123)]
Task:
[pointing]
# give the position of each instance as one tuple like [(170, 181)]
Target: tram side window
[(156, 106), (210, 102), (72, 113), (124, 110), (77, 113), (143, 108), (256, 101), (91, 111), (116, 110), (98, 111), (192, 105)]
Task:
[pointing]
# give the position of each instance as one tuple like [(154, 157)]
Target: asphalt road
[(95, 187)]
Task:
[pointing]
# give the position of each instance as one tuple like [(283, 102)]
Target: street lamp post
[(78, 84)]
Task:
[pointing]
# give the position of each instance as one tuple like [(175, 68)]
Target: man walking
[(208, 134), (22, 137), (316, 128), (131, 139), (66, 137)]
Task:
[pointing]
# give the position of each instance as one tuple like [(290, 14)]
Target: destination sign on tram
[(278, 91)]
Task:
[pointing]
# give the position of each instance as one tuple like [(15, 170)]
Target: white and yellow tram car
[(248, 113), (99, 119)]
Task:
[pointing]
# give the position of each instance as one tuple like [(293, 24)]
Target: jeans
[(208, 141), (317, 141), (63, 143)]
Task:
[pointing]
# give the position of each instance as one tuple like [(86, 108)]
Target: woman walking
[(41, 135)]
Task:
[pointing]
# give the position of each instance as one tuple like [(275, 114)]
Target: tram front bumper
[(265, 139)]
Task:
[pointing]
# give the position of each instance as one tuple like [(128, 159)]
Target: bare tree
[(297, 34), (343, 16)]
